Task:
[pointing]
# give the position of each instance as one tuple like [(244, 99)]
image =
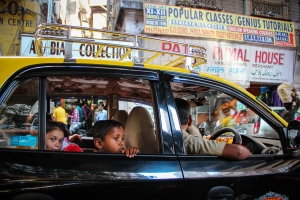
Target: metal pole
[(50, 8), (42, 114), (108, 14)]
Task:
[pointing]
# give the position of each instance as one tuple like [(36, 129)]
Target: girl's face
[(54, 140)]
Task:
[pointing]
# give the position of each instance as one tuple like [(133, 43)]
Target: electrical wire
[(40, 15), (114, 23), (17, 32), (21, 25), (24, 11), (4, 9), (29, 44)]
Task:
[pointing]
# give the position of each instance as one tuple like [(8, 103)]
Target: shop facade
[(255, 53)]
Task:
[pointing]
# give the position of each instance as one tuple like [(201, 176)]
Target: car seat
[(121, 116), (139, 131)]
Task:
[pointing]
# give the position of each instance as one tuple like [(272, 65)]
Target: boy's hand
[(131, 151)]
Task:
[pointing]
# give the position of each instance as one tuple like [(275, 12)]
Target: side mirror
[(293, 135)]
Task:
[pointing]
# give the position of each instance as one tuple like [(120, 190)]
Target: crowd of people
[(81, 114)]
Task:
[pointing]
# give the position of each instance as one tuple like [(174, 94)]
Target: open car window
[(220, 111), (20, 113), (128, 101), (18, 116)]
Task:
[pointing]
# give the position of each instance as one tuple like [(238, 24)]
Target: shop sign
[(191, 22), (132, 4), (55, 48), (17, 16), (239, 63), (11, 16)]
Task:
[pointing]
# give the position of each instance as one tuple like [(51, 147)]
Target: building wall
[(233, 6)]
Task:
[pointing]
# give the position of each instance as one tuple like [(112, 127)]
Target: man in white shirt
[(102, 114)]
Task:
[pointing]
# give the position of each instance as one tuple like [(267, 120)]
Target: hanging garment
[(276, 99)]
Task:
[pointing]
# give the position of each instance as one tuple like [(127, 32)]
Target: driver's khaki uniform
[(198, 145)]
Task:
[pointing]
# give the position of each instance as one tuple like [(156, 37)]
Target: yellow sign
[(16, 17), (183, 21)]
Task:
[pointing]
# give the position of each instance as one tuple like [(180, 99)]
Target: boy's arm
[(73, 137)]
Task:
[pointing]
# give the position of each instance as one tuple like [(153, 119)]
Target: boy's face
[(54, 140), (113, 141)]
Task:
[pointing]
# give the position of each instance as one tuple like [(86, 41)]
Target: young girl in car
[(109, 138), (57, 138), (55, 133)]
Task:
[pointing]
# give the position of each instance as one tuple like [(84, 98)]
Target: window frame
[(231, 91), (152, 76), (284, 6)]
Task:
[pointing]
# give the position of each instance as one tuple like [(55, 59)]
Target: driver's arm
[(198, 145), (235, 152)]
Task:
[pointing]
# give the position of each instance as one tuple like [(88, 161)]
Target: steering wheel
[(237, 136)]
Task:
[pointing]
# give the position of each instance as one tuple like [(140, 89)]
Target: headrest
[(121, 116), (139, 131)]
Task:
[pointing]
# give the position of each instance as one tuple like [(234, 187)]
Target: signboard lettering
[(28, 140), (269, 57), (239, 63), (12, 7), (175, 20), (230, 53), (79, 50)]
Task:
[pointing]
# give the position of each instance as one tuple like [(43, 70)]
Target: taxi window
[(18, 116), (125, 100), (220, 110)]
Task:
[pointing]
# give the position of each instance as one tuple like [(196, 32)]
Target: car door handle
[(220, 192)]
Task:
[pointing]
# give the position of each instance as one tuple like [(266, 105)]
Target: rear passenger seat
[(121, 116)]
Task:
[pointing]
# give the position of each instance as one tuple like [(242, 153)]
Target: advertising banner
[(191, 22), (239, 63), (245, 62)]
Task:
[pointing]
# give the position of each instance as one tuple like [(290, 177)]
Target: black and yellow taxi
[(137, 84)]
